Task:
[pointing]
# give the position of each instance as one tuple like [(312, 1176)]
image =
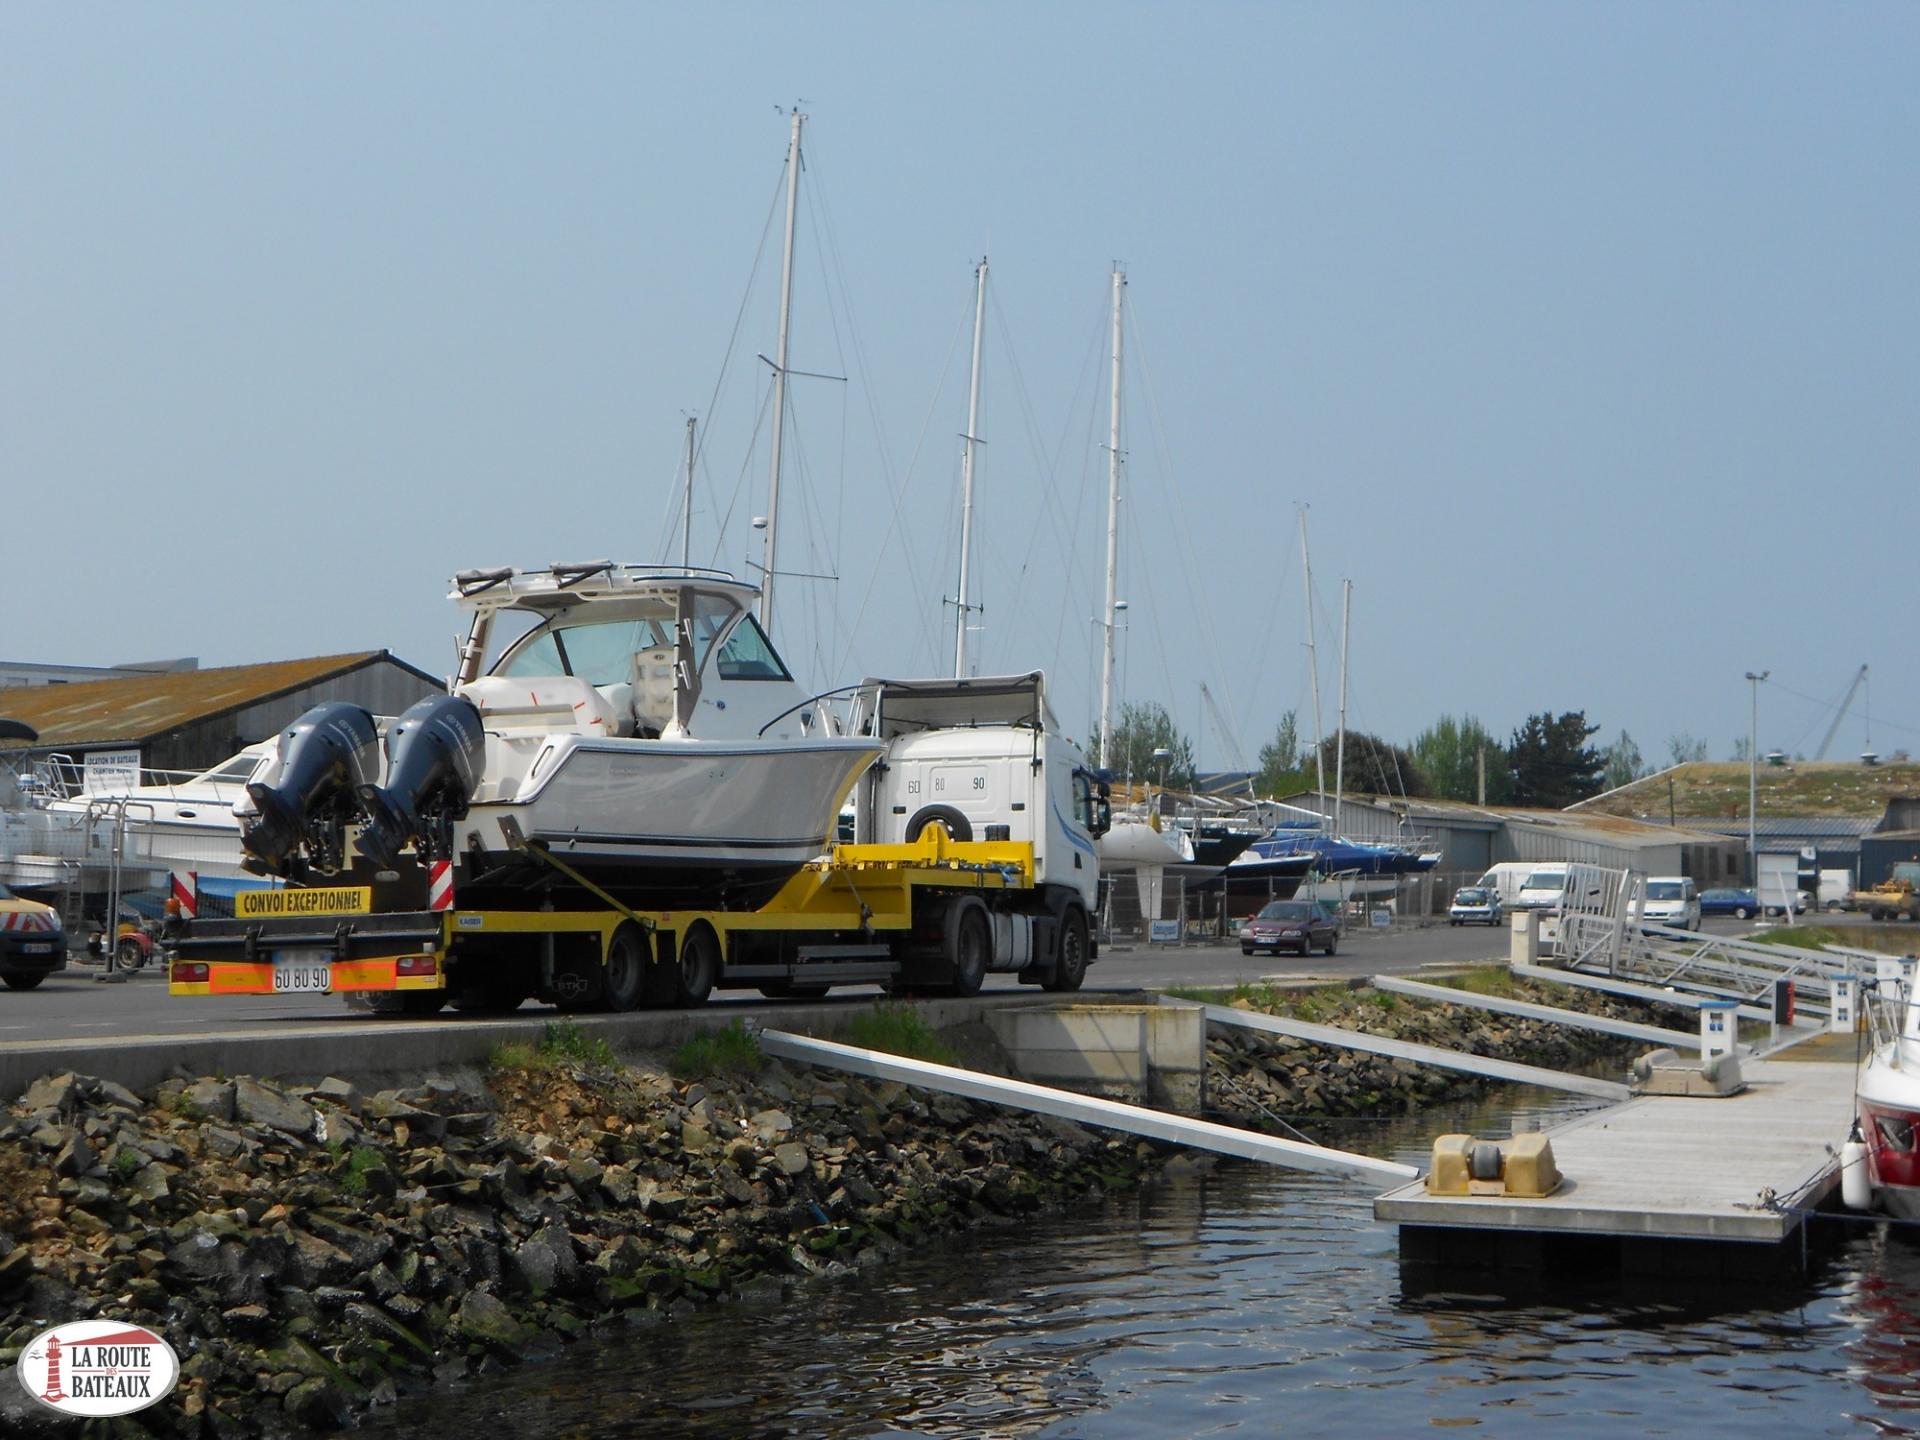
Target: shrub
[(899, 1030), (730, 1051)]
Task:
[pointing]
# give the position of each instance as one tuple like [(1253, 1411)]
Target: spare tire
[(957, 826)]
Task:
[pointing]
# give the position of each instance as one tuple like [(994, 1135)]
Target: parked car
[(1474, 905), (1671, 901), (1289, 925), (33, 944), (1737, 903)]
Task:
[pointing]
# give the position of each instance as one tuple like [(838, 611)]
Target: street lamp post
[(1753, 773)]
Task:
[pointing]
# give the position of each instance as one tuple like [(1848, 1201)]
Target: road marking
[(90, 1024)]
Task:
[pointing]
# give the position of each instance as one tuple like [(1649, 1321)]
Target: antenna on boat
[(770, 568), (686, 514), (971, 438), (1113, 531)]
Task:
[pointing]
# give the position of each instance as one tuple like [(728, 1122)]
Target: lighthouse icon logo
[(98, 1368)]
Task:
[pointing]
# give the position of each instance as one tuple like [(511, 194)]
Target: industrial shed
[(192, 720)]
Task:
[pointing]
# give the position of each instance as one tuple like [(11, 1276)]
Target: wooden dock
[(1659, 1168)]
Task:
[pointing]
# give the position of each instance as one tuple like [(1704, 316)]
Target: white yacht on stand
[(642, 731)]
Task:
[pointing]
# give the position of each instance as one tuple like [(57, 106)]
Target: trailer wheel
[(697, 967), (624, 985), (969, 946), (1070, 963), (957, 826), (406, 1002)]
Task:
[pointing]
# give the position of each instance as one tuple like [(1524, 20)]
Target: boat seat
[(652, 679), (538, 703)]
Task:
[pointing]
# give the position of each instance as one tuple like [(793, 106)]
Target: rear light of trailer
[(414, 965), (191, 972)]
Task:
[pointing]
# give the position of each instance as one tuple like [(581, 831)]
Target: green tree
[(1374, 766), (1141, 730), (1282, 759), (1448, 753), (1623, 763), (1551, 763), (1685, 749)]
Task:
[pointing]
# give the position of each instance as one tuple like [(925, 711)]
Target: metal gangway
[(1599, 933)]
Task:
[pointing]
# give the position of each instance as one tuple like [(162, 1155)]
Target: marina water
[(1253, 1302)]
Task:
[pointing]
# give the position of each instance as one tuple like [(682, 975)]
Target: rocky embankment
[(1253, 1077), (309, 1252)]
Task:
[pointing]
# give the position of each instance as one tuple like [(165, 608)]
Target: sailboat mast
[(971, 438), (1113, 533), (1340, 745), (771, 563), (686, 513), (1313, 662)]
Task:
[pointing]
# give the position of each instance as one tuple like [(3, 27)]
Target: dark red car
[(1290, 925)]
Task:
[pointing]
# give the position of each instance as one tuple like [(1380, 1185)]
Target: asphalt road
[(74, 1006)]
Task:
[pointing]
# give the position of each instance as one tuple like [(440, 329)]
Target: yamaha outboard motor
[(434, 756), (306, 795)]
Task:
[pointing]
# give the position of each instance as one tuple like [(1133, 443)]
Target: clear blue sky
[(1591, 334)]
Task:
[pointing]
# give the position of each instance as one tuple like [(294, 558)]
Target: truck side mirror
[(1102, 816)]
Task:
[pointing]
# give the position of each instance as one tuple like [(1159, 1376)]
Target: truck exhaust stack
[(306, 796), (434, 755)]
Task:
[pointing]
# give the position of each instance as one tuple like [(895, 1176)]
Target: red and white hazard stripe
[(440, 885), (23, 922), (186, 893)]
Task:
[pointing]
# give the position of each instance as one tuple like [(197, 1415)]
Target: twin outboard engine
[(434, 754), (308, 793)]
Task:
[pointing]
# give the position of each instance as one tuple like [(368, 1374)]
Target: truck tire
[(969, 946), (697, 967), (21, 982), (624, 985), (1070, 960), (129, 954), (406, 1002), (957, 826)]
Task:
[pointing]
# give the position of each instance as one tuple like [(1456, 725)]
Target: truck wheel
[(1070, 964), (699, 967), (128, 954), (969, 946), (624, 985), (21, 982), (957, 826)]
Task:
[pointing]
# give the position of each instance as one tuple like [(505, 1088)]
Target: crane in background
[(1846, 702)]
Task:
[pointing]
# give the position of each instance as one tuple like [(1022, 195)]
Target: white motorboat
[(642, 731), (1888, 1093), (1138, 846)]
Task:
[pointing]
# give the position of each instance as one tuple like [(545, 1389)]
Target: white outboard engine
[(434, 756), (307, 794)]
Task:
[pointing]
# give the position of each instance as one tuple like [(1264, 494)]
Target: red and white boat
[(1888, 1094)]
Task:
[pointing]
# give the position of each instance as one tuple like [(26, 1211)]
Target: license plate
[(43, 947), (302, 972)]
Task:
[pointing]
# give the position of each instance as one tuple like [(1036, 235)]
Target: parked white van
[(1541, 888), (1671, 901), (1505, 878)]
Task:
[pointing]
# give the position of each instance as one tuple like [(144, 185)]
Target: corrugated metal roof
[(143, 707), (1791, 828)]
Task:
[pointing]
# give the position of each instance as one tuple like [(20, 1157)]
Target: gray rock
[(151, 1184), (791, 1158), (339, 1092), (266, 1105), (76, 1156), (618, 1184), (770, 1125), (484, 1317), (59, 1093), (363, 1248), (209, 1099), (695, 1140)]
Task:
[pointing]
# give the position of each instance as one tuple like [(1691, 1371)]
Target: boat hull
[(665, 823), (1889, 1108)]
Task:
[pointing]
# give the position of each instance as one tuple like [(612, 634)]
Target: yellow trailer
[(931, 914)]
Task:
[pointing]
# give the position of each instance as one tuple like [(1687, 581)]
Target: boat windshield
[(601, 651)]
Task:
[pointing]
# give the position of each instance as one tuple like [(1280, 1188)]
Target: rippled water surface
[(1251, 1302)]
